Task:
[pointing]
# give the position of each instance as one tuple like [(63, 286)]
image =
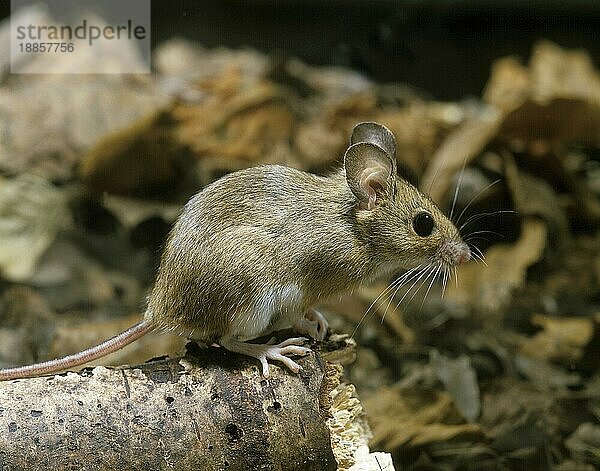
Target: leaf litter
[(500, 371)]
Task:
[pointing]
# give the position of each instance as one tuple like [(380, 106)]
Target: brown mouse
[(255, 251)]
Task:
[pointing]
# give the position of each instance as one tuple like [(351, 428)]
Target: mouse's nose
[(457, 252), (463, 254)]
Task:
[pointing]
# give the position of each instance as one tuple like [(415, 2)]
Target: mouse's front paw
[(313, 324)]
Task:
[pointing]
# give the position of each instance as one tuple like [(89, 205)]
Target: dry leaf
[(565, 73), (317, 144), (562, 340), (32, 212), (133, 211), (136, 158), (557, 98), (386, 312), (460, 147), (460, 380), (584, 443), (27, 323), (508, 86), (408, 417), (67, 124), (553, 73), (247, 126), (544, 374), (194, 63), (489, 287)]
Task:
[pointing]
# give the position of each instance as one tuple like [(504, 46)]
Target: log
[(207, 410)]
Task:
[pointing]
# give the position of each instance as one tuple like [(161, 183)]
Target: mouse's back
[(256, 235)]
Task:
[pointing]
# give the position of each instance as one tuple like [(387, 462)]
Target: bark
[(209, 410)]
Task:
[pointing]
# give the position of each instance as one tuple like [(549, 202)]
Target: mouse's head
[(403, 226)]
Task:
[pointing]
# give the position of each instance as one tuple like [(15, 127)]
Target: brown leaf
[(408, 417), (384, 311), (490, 286), (247, 126), (562, 340), (584, 443), (557, 98), (459, 148), (134, 158), (317, 144), (553, 72), (72, 122), (32, 212)]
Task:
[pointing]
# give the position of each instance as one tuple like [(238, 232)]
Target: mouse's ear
[(377, 134), (369, 172)]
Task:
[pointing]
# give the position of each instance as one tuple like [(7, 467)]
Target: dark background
[(444, 47)]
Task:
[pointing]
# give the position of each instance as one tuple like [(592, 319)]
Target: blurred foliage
[(499, 373)]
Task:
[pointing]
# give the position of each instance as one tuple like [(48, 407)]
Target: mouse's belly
[(207, 311), (274, 308)]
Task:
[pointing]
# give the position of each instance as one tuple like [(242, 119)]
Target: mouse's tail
[(52, 366)]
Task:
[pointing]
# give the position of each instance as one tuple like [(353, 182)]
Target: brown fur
[(256, 250), (273, 226)]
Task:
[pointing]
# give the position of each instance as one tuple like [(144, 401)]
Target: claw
[(292, 341), (265, 367), (294, 350)]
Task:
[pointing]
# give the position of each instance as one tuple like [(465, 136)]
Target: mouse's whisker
[(433, 279), (421, 275), (474, 198), (478, 251), (387, 289), (413, 273), (418, 276), (470, 240), (478, 255), (397, 282), (445, 277), (433, 180), (384, 294), (468, 237), (391, 298), (477, 258), (423, 283), (462, 173), (479, 216)]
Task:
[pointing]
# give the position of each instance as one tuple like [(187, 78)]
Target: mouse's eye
[(423, 224)]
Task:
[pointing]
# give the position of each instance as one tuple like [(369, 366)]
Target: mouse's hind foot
[(263, 352)]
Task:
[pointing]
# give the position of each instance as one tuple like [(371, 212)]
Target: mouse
[(257, 250)]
